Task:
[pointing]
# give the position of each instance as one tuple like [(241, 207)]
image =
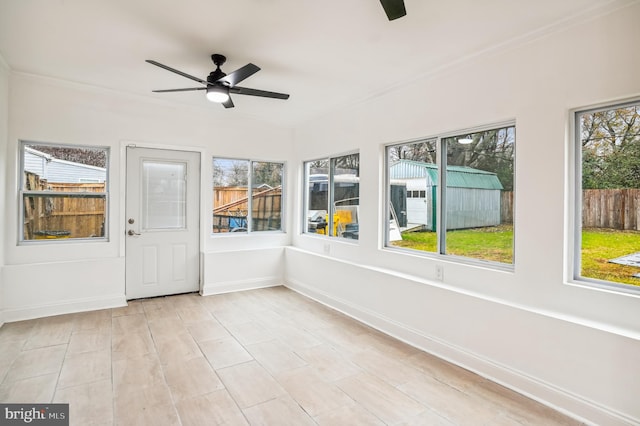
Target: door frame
[(122, 199)]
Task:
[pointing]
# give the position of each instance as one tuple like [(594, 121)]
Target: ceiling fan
[(219, 85), (394, 8)]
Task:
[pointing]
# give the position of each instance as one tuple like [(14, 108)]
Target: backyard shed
[(473, 195)]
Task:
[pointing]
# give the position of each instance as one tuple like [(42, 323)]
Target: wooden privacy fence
[(611, 208), (59, 216), (266, 209)]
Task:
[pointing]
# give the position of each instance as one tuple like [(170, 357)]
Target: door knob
[(131, 232)]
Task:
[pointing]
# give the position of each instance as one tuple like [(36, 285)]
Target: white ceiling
[(326, 54)]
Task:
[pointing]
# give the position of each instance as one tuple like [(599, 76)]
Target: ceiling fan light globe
[(218, 94)]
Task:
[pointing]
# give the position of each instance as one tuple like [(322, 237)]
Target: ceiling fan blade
[(255, 92), (240, 74), (394, 8), (179, 90), (158, 64), (228, 103)]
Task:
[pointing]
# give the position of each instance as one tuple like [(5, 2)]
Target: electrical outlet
[(327, 248), (439, 272)]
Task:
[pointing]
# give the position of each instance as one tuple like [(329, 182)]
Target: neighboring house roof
[(56, 170), (457, 176)]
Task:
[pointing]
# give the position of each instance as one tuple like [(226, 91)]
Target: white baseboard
[(240, 285), (63, 307), (561, 400)]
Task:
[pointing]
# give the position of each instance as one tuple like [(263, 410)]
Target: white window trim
[(22, 145), (441, 194), (283, 200), (573, 246), (305, 197)]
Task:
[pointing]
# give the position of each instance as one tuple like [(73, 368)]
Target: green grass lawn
[(496, 244), (601, 245)]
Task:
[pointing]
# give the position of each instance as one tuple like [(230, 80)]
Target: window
[(247, 195), (333, 191), (466, 212), (64, 192), (608, 195)]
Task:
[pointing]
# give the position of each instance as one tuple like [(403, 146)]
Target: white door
[(162, 222)]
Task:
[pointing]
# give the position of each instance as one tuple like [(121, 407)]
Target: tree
[(230, 172), (267, 173), (610, 142)]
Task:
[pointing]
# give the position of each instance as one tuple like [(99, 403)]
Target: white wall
[(46, 279), (4, 119), (572, 346)]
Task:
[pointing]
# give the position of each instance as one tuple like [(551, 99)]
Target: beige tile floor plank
[(224, 352), (194, 314), (33, 389), (165, 361), (282, 411), (211, 329), (92, 320), (231, 315), (449, 402), (169, 325), (297, 338), (10, 349), (132, 308), (384, 366), (149, 405), (251, 332), (90, 404), (50, 332), (215, 408), (82, 368), (19, 330), (36, 362), (161, 312), (132, 345), (180, 347), (190, 378), (352, 415), (89, 340), (133, 323), (431, 418), (331, 364), (309, 389), (250, 384), (132, 374), (275, 356), (378, 397)]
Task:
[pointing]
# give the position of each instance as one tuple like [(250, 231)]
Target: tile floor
[(260, 357)]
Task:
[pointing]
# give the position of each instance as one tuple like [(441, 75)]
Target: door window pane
[(163, 195)]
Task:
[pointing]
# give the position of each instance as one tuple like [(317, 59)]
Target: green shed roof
[(457, 176)]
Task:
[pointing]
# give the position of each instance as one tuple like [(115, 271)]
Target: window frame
[(249, 219), (441, 195), (575, 199), (330, 195), (23, 193)]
